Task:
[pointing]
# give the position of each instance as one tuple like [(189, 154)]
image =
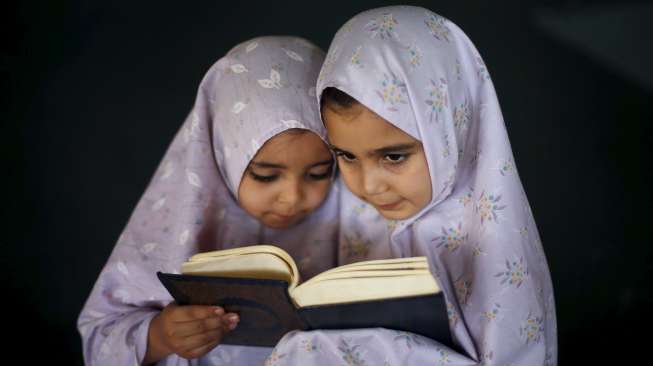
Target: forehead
[(362, 128), (292, 146)]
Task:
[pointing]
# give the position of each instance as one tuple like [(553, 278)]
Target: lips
[(388, 206), (284, 217)]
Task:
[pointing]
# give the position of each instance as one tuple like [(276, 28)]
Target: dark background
[(94, 91)]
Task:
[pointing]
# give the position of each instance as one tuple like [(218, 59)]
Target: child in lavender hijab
[(413, 117), (248, 166)]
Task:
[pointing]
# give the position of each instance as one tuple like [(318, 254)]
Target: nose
[(290, 196), (372, 181)]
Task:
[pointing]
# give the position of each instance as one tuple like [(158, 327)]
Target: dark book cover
[(267, 313)]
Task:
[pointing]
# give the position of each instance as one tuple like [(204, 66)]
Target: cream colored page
[(248, 262), (347, 290), (239, 251), (409, 260), (363, 274), (256, 265), (378, 267)]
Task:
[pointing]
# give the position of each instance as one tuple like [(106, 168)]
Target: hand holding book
[(189, 331), (262, 284)]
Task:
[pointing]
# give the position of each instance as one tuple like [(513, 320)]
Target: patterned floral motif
[(293, 55), (437, 98), (476, 157), (532, 329), (451, 238), (462, 116), (482, 69), (355, 59), (452, 314), (523, 231), (273, 82), (458, 70), (359, 209), (238, 68), (491, 314), (414, 56), (514, 274), (477, 251), (486, 356), (192, 132), (393, 91), (437, 26), (356, 246), (487, 207), (506, 167), (444, 356), (411, 339), (383, 27), (350, 354), (467, 197), (274, 358), (309, 345), (447, 183), (463, 289), (446, 150)]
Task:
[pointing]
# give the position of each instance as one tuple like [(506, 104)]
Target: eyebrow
[(382, 150), (264, 164)]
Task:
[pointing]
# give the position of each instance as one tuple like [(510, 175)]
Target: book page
[(346, 289), (416, 265), (256, 261)]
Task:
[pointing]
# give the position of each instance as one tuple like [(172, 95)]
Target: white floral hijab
[(420, 72), (259, 89), (262, 90)]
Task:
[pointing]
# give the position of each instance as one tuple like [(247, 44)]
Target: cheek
[(315, 194), (417, 184), (254, 199), (351, 176)]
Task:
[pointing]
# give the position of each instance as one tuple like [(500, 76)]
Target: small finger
[(201, 350), (187, 329), (230, 321), (201, 340), (194, 312)]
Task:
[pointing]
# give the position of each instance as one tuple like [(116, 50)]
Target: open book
[(262, 284)]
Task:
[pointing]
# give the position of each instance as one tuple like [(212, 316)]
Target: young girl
[(248, 166), (413, 117)]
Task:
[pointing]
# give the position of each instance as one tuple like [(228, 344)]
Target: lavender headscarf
[(420, 72), (259, 89)]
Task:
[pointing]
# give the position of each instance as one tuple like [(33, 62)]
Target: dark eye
[(394, 158), (263, 178), (348, 157), (321, 175)]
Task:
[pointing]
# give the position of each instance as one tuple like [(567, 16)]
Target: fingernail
[(233, 318), (219, 311)]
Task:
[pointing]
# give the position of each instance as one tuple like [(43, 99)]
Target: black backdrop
[(94, 92)]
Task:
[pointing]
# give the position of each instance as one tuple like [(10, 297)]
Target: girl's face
[(380, 163), (287, 179)]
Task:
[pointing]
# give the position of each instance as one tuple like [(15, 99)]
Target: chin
[(281, 225), (396, 215), (277, 226)]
